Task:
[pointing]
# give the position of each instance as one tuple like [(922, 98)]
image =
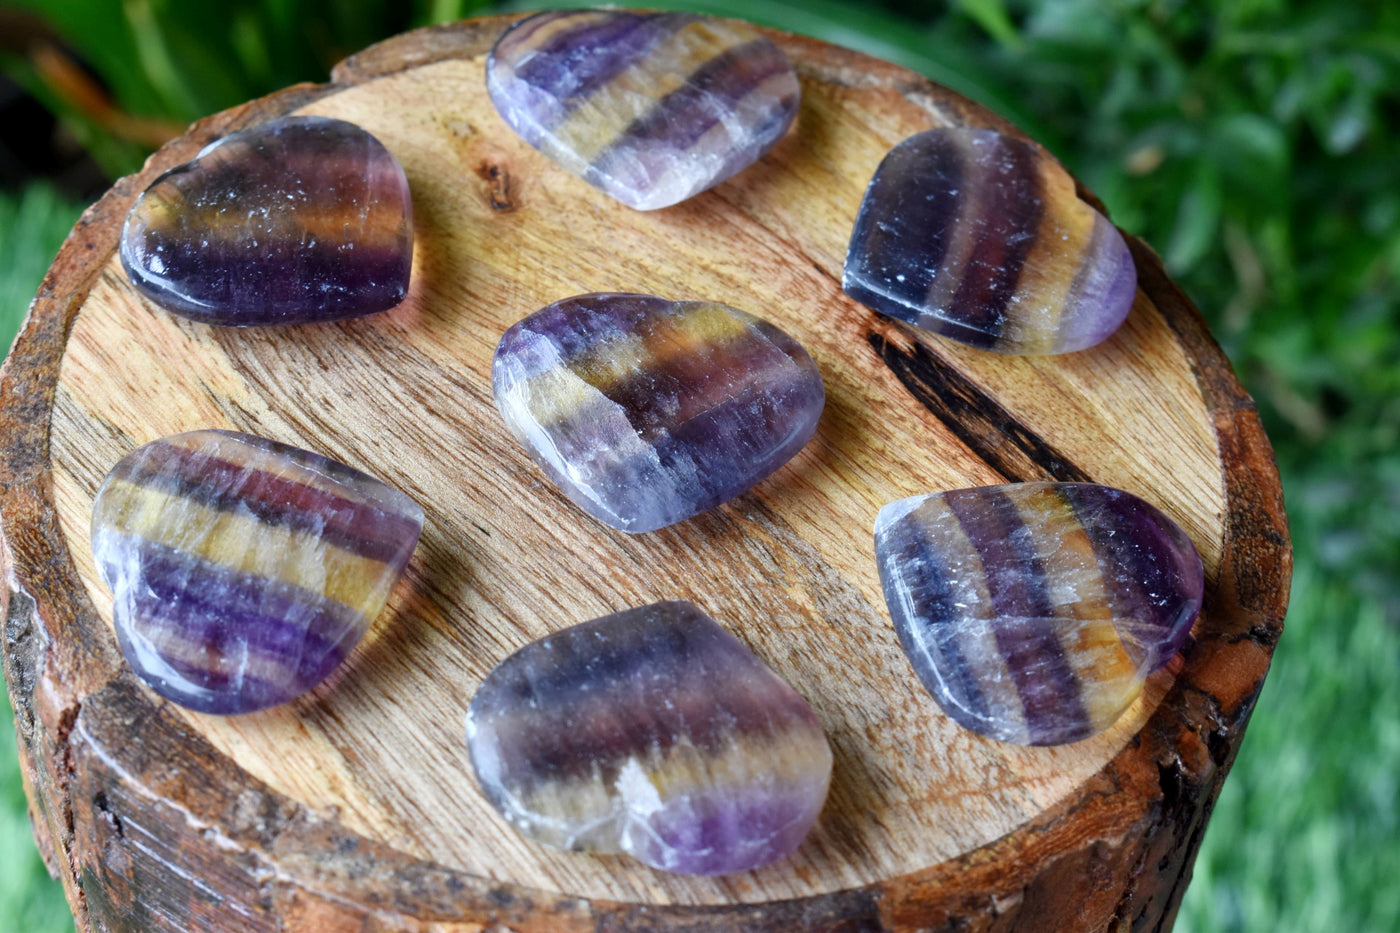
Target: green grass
[(1304, 837), (32, 225), (1252, 143), (30, 900)]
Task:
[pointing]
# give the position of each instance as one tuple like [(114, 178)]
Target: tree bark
[(354, 807)]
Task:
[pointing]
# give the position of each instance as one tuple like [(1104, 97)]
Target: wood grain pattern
[(354, 807)]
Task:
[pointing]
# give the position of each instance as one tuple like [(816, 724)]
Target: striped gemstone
[(646, 411), (981, 237), (243, 571), (649, 107), (1034, 612), (296, 220), (652, 732)]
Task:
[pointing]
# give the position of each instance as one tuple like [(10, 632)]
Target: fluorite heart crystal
[(649, 107), (296, 220), (981, 237), (1034, 612), (243, 570), (646, 411), (652, 732)]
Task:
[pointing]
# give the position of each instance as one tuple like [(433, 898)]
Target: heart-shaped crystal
[(650, 107), (981, 237), (1034, 612), (296, 220), (653, 732), (243, 570), (647, 411)]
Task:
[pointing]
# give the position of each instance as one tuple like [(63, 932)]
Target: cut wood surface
[(354, 808)]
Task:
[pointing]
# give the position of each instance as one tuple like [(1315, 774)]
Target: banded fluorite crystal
[(981, 237), (296, 220), (1034, 612), (243, 570), (646, 411), (649, 107), (652, 732)]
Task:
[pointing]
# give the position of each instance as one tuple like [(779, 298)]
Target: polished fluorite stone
[(652, 732), (646, 411), (243, 570), (1034, 612), (296, 220), (981, 237), (649, 107)]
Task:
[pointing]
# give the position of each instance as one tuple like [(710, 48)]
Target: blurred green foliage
[(181, 60), (30, 901), (1252, 142)]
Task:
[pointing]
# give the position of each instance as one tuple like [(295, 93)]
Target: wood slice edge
[(1119, 852)]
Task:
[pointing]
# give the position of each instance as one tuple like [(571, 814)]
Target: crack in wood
[(989, 430)]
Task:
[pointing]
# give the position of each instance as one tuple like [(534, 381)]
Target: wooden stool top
[(357, 801)]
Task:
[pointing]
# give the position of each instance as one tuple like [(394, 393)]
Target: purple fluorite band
[(244, 571), (653, 732), (1034, 612), (646, 411), (360, 527), (649, 107), (982, 237), (575, 63), (293, 221), (1018, 583)]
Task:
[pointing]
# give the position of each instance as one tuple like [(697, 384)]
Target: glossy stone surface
[(1034, 612), (980, 237), (296, 220), (646, 411), (652, 732), (649, 107), (243, 570)]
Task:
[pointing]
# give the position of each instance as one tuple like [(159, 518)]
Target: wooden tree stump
[(355, 809)]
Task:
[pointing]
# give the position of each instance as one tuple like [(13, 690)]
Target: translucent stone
[(1034, 612), (646, 411), (243, 571), (981, 237), (649, 107), (296, 220), (652, 732)]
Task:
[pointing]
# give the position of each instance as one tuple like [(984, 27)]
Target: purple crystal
[(652, 732), (242, 570), (647, 411), (1034, 612), (650, 107), (982, 237), (297, 220)]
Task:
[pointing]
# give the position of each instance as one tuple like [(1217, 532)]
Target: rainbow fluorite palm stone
[(652, 732), (981, 237), (646, 411), (1034, 612), (243, 571), (649, 107), (296, 220)]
